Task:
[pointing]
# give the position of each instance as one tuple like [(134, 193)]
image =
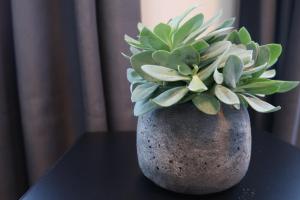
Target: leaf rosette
[(180, 62)]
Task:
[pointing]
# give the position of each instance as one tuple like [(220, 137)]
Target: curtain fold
[(61, 74), (13, 178), (116, 18), (278, 21), (89, 56)]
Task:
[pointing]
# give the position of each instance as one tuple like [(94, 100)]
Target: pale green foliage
[(178, 62)]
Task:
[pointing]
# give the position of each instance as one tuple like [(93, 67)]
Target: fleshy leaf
[(244, 36), (234, 37), (263, 56), (143, 91), (184, 69), (207, 104), (132, 76), (260, 105), (163, 31), (150, 40), (275, 51), (202, 28), (140, 59), (134, 50), (170, 96), (218, 77), (163, 73), (286, 86), (254, 47), (232, 71), (215, 50), (187, 28), (196, 85), (268, 74), (253, 70), (130, 40), (267, 86), (227, 23), (143, 107), (200, 45), (205, 73), (226, 95), (176, 20), (217, 32), (186, 55)]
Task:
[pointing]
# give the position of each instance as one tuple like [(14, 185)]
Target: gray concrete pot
[(187, 151)]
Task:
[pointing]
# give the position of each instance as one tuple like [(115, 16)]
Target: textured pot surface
[(184, 150)]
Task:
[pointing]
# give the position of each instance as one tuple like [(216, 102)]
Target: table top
[(104, 166)]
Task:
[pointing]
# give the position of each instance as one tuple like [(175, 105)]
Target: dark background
[(61, 74)]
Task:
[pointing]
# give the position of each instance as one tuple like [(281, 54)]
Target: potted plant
[(191, 85)]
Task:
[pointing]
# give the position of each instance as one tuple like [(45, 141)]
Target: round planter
[(184, 150)]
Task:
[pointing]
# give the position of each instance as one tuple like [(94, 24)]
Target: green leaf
[(135, 84), (254, 47), (133, 42), (186, 54), (244, 54), (218, 77), (162, 57), (143, 91), (200, 45), (275, 51), (262, 58), (132, 76), (150, 40), (234, 37), (260, 105), (268, 74), (205, 73), (244, 36), (215, 50), (163, 31), (170, 96), (180, 56), (140, 59), (286, 86), (184, 69), (140, 26), (176, 20), (187, 28), (267, 86), (163, 73), (207, 104), (217, 33), (227, 23), (232, 71), (143, 107), (134, 50), (226, 95), (253, 70), (188, 97), (202, 28), (196, 85), (125, 56)]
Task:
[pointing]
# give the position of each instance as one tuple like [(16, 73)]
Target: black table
[(104, 166)]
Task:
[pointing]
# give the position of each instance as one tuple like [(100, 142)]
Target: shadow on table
[(148, 190)]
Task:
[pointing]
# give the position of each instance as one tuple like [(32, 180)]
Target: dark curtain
[(57, 60), (278, 21)]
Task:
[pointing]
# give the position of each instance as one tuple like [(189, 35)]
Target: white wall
[(155, 11)]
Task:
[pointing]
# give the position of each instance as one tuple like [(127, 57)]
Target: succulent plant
[(178, 62)]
